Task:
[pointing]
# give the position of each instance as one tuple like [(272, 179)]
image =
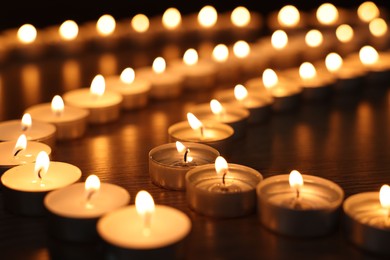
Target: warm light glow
[(159, 65), (68, 30), (314, 38), (98, 86), (216, 107), (20, 145), (327, 14), (190, 57), (270, 79), (344, 33), (240, 16), (105, 25), (180, 147), (41, 164), (378, 27), (240, 92), (220, 53), (368, 55), (333, 62), (194, 122), (57, 105), (127, 76), (368, 11), (207, 16), (92, 184), (144, 203), (171, 18), (279, 39), (295, 179), (140, 23), (307, 71), (384, 196), (26, 122), (289, 16), (221, 165), (27, 33), (241, 49)]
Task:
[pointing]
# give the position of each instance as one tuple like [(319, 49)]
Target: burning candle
[(379, 36), (34, 131), (299, 205), (103, 106), (222, 190), (367, 222), (70, 122), (348, 41), (144, 230), (75, 209), (317, 47), (377, 64), (25, 186), (327, 14), (367, 11), (288, 18), (207, 17), (135, 91), (169, 163), (227, 68)]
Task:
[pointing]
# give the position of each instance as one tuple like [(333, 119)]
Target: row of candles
[(191, 162)]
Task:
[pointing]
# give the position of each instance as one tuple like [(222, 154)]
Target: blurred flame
[(288, 16), (270, 79), (21, 144), (207, 16), (327, 14), (140, 23), (127, 76), (314, 38), (384, 196), (221, 165), (41, 164), (194, 122), (26, 122), (295, 179), (368, 55), (216, 107), (333, 62), (144, 205), (368, 11), (378, 27), (344, 33), (220, 53), (105, 25), (240, 16), (240, 92), (279, 39), (57, 105), (92, 184), (307, 71), (68, 30), (171, 18), (159, 65), (190, 57), (27, 33), (241, 49), (180, 147), (98, 86)]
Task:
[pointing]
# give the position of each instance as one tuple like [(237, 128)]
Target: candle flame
[(98, 86), (26, 122), (140, 23), (159, 65), (384, 196), (295, 179), (220, 53), (240, 16), (68, 30), (41, 164), (144, 205), (91, 186), (333, 62), (57, 105), (105, 25), (180, 147), (221, 165), (344, 33), (127, 76), (21, 144), (307, 71), (240, 92), (368, 11), (279, 39), (207, 16), (171, 18), (378, 27), (190, 57), (314, 38), (216, 107), (27, 33), (327, 14), (241, 49), (270, 78), (368, 55), (194, 122), (289, 16)]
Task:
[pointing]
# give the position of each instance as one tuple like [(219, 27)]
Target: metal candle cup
[(313, 214), (167, 168), (208, 195)]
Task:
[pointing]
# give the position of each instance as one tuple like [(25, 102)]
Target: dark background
[(43, 12)]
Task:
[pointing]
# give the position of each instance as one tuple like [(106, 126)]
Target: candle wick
[(147, 223), (223, 177), (89, 194), (186, 155), (202, 132), (298, 193), (18, 151), (24, 128), (39, 174)]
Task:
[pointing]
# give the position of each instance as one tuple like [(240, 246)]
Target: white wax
[(71, 201), (164, 79), (124, 228), (23, 178), (138, 86), (84, 99), (28, 155), (12, 129), (43, 113)]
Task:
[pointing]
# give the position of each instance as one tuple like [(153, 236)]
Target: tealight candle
[(25, 186), (75, 209), (210, 132), (259, 104), (367, 222), (169, 163), (379, 34), (288, 18), (367, 11), (144, 230), (166, 83), (299, 205), (284, 49), (135, 91), (34, 131), (377, 64), (197, 74), (19, 152), (348, 40), (222, 190), (316, 45), (242, 24), (231, 114), (70, 122), (141, 32), (103, 106)]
